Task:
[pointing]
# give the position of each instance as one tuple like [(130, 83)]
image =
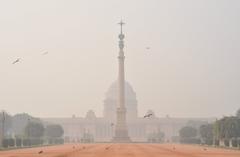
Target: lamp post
[(112, 129), (3, 127), (28, 131)]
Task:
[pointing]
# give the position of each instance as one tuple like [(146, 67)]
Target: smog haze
[(182, 57)]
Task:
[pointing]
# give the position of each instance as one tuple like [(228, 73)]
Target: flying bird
[(148, 115), (16, 61), (112, 124), (45, 53)]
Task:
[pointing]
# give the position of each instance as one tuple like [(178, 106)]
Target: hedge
[(190, 140)]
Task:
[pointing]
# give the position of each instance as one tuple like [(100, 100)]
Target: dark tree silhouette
[(206, 133), (5, 119), (54, 131), (34, 129), (227, 127), (188, 132), (238, 113)]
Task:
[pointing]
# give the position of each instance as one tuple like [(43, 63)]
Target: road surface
[(121, 150)]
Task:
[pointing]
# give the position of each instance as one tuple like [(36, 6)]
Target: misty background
[(191, 69)]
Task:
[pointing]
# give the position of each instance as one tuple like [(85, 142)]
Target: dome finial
[(121, 23)]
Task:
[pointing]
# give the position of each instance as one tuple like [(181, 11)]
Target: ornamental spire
[(121, 23), (121, 37)]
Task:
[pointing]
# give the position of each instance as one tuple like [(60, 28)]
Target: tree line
[(23, 130), (223, 132)]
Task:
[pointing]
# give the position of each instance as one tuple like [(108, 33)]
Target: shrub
[(55, 141), (234, 142), (216, 142), (5, 143), (18, 142), (209, 142), (226, 143), (190, 140), (11, 142), (36, 142), (26, 142), (59, 141), (50, 141)]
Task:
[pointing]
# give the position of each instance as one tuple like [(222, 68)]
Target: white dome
[(90, 115), (112, 91), (110, 102)]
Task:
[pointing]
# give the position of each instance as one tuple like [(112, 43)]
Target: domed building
[(110, 102), (102, 128), (132, 128)]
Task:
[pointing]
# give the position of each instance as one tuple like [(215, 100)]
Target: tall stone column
[(121, 129)]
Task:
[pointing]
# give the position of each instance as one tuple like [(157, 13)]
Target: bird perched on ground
[(204, 149), (73, 147), (148, 48), (16, 61), (40, 152), (174, 148), (148, 115), (108, 147), (112, 124)]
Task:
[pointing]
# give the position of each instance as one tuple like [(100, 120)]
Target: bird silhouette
[(45, 53), (16, 61), (148, 115)]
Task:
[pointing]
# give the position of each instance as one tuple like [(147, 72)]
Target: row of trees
[(36, 134), (23, 130), (223, 132), (37, 130), (188, 134), (156, 137)]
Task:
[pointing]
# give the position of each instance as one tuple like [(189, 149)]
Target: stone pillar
[(121, 130)]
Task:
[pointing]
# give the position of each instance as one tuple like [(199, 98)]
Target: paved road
[(121, 150)]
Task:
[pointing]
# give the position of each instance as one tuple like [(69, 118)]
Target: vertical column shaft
[(121, 130), (121, 81)]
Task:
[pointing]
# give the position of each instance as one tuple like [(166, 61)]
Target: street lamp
[(3, 124), (28, 131), (112, 129)]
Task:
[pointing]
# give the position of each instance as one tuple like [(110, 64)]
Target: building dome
[(110, 101), (90, 115), (129, 92)]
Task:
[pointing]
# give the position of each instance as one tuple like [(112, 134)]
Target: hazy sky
[(191, 70)]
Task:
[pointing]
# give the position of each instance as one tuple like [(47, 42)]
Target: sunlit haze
[(182, 57)]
